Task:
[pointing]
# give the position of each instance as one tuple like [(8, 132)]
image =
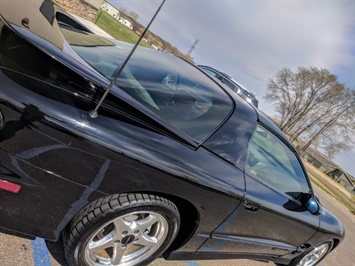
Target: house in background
[(343, 178), (318, 160), (94, 3), (110, 9), (329, 168), (126, 22), (115, 12)]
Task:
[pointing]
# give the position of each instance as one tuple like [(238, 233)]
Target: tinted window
[(211, 73), (223, 79), (170, 87), (229, 83), (272, 161)]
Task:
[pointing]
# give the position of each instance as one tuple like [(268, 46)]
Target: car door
[(272, 220)]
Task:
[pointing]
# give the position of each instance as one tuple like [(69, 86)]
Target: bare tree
[(312, 105), (131, 14), (123, 10)]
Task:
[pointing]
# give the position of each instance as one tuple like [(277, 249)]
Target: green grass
[(116, 29), (327, 189)]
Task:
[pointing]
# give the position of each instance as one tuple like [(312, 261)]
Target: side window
[(272, 161), (211, 73), (228, 83)]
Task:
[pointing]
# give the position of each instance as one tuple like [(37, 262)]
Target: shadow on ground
[(57, 251)]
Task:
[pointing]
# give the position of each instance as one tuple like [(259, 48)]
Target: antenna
[(93, 113), (192, 47)]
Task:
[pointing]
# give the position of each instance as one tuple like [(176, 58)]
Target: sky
[(252, 40)]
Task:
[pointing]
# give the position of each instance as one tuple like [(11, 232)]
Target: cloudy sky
[(252, 40)]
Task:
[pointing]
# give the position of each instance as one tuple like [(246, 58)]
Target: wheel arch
[(189, 216), (189, 220), (336, 242)]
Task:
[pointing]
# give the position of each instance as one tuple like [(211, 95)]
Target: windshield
[(170, 87)]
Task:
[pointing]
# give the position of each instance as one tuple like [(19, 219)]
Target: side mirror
[(312, 205)]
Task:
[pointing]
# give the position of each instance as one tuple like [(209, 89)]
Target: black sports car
[(174, 164)]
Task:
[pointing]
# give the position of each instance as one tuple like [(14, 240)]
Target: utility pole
[(192, 47)]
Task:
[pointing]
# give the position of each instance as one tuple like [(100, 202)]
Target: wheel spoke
[(147, 222), (121, 226), (147, 241), (118, 253), (104, 243)]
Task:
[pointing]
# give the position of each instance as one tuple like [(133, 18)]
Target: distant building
[(343, 178), (126, 22), (110, 9), (94, 3), (325, 165), (319, 160)]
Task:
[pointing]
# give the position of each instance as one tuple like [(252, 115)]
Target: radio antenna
[(94, 113)]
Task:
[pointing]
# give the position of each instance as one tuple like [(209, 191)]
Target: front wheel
[(314, 256), (128, 229)]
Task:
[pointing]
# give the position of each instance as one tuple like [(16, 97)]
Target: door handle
[(251, 206)]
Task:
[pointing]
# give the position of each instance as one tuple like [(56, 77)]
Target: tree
[(131, 14), (313, 106)]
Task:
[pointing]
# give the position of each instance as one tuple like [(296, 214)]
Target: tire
[(126, 229), (314, 256)]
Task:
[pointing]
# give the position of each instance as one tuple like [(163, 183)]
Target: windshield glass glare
[(170, 87)]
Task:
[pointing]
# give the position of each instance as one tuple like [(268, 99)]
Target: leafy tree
[(313, 106)]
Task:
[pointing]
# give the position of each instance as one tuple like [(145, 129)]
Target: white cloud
[(251, 40)]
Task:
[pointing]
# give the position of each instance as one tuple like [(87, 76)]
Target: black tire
[(126, 229), (322, 250)]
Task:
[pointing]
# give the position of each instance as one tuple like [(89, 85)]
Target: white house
[(126, 22), (112, 10), (95, 3)]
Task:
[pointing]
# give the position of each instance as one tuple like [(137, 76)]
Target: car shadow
[(56, 250)]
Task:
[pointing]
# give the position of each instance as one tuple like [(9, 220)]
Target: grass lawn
[(116, 29), (347, 203)]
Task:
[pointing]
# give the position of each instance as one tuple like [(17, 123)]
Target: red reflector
[(8, 186)]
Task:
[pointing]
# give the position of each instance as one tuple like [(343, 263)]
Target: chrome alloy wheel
[(127, 240), (315, 255)]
